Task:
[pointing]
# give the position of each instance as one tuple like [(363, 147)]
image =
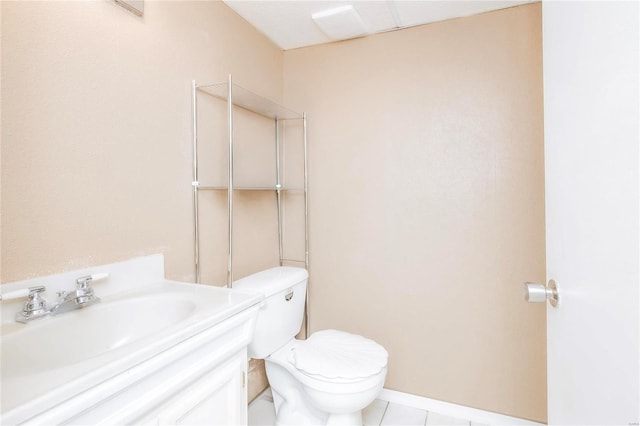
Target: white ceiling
[(289, 25)]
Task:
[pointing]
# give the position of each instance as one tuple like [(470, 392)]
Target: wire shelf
[(250, 101)]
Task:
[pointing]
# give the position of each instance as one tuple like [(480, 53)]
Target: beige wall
[(427, 202), (96, 130)]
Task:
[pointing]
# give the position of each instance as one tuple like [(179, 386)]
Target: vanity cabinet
[(152, 352), (202, 383), (218, 398)]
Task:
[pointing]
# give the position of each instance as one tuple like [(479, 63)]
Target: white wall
[(591, 158)]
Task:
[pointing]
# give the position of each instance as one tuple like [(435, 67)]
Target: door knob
[(539, 293)]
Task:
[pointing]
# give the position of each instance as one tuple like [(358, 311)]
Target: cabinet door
[(218, 398)]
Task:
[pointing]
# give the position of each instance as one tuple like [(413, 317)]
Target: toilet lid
[(335, 354)]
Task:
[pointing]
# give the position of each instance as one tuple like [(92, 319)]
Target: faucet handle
[(84, 295), (34, 307), (83, 282), (23, 292)]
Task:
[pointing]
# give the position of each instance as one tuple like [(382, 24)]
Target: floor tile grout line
[(385, 411), (386, 407)]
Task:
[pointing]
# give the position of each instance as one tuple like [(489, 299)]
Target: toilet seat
[(302, 397), (337, 356)]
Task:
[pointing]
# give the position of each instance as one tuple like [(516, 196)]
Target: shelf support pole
[(278, 194), (306, 222), (196, 230), (230, 182)]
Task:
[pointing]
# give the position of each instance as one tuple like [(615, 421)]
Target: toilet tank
[(280, 317)]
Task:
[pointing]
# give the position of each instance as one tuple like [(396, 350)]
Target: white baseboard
[(453, 410)]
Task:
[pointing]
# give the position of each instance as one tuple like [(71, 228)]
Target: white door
[(590, 60)]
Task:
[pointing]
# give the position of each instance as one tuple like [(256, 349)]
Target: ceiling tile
[(421, 12), (289, 25), (340, 23), (376, 15)]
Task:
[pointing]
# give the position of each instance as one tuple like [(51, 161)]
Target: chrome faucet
[(81, 297), (35, 307)]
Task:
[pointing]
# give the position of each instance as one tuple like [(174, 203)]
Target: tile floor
[(379, 413)]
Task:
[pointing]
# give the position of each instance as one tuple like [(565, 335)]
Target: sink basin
[(49, 360), (83, 334), (146, 339)]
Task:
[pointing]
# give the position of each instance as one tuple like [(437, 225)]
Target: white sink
[(49, 360), (83, 334)]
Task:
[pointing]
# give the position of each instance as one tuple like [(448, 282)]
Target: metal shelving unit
[(238, 97)]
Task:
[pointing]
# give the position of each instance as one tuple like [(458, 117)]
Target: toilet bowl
[(329, 393), (328, 378)]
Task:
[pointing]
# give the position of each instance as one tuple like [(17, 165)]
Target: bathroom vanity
[(151, 352)]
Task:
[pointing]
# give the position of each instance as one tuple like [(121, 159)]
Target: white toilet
[(328, 378)]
